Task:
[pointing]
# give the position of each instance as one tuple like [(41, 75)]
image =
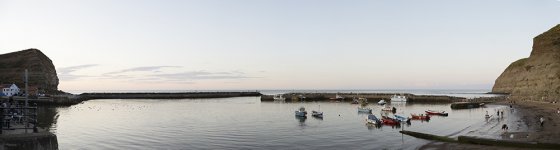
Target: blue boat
[(364, 110), (401, 118), (371, 119), (301, 112)]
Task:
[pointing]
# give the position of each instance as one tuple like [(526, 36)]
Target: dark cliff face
[(41, 70), (537, 77)]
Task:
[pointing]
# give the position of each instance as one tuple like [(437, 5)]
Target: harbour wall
[(372, 97), (89, 96), (70, 99)]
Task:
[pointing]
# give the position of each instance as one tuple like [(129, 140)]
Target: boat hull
[(317, 114), (301, 113), (437, 113), (364, 110), (420, 117)]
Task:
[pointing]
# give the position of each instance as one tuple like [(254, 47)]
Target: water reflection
[(301, 120), (373, 126), (47, 116), (223, 123)]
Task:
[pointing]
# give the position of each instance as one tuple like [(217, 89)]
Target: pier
[(89, 96), (372, 97)]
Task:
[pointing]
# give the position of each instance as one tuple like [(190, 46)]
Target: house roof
[(6, 85)]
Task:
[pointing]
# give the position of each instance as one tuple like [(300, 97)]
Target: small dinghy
[(381, 102), (401, 118), (420, 117), (364, 110), (372, 120), (301, 112), (433, 112), (317, 114), (390, 121)]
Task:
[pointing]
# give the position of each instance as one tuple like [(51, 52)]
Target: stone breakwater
[(70, 99), (372, 97), (89, 96)]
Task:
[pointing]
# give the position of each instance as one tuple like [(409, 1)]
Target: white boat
[(398, 98), (364, 110), (301, 112), (386, 108), (317, 114), (338, 97), (355, 101), (381, 102), (279, 97)]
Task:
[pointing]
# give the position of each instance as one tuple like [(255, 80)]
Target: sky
[(276, 44)]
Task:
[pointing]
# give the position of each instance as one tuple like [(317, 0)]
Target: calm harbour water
[(241, 123)]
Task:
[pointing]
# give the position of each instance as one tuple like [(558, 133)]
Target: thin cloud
[(203, 75), (141, 69), (68, 70), (67, 73)]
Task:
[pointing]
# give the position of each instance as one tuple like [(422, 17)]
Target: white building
[(9, 89)]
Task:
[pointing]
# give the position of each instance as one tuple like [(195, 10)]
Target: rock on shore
[(535, 78)]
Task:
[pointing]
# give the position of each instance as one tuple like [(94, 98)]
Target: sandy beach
[(523, 122)]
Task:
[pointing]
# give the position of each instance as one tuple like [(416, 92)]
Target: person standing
[(542, 121)]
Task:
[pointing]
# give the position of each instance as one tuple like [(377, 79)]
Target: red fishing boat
[(433, 112), (420, 117), (390, 121)]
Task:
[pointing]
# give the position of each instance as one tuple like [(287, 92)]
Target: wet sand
[(531, 112), (522, 120)]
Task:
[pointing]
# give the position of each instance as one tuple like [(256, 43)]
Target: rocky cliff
[(537, 77), (41, 70)]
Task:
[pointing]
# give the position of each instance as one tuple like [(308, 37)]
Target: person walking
[(502, 113)]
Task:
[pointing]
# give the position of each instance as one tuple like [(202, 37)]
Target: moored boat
[(398, 98), (386, 108), (301, 112), (279, 97), (364, 110), (371, 119), (317, 114), (382, 102), (433, 112), (338, 97), (390, 121), (401, 118), (355, 101), (420, 117)]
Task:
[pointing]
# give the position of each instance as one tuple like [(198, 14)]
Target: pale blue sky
[(276, 44)]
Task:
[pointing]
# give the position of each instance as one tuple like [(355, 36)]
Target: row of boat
[(302, 113), (398, 119), (394, 98)]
